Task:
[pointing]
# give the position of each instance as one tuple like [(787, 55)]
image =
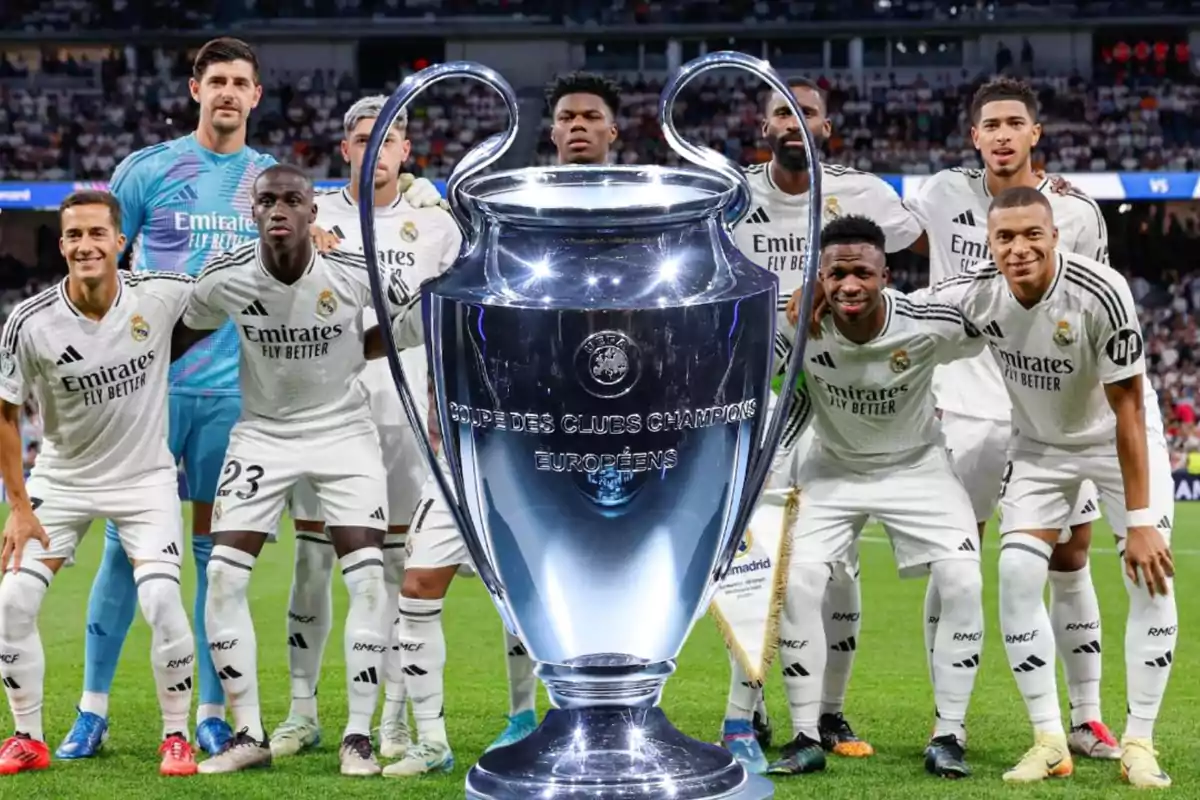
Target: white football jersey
[(301, 344), (1055, 357), (420, 243), (872, 404), (953, 206), (101, 385), (774, 234)]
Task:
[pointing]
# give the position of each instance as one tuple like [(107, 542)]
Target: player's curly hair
[(853, 229), (584, 83), (1004, 89)]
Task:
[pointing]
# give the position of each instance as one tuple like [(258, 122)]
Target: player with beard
[(976, 410), (183, 203), (768, 236), (584, 108)]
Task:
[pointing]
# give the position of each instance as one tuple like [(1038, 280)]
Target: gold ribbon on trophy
[(748, 603)]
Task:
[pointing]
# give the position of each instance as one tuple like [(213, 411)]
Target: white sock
[(231, 636), (1075, 615), (743, 693), (802, 647), (94, 703), (522, 683), (842, 613), (932, 616), (310, 617), (172, 647), (425, 664), (22, 660), (394, 694), (959, 642), (366, 637), (1028, 638), (1150, 636)]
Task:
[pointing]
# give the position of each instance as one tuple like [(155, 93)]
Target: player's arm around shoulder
[(204, 310), (174, 291), (960, 291), (945, 325)]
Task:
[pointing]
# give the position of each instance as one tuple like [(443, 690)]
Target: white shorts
[(149, 518), (402, 457), (434, 541), (344, 467), (1041, 488), (979, 450), (921, 505)]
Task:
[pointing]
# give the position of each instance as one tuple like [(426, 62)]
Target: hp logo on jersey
[(1124, 347)]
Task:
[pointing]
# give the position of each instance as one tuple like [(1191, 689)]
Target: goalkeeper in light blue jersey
[(183, 202)]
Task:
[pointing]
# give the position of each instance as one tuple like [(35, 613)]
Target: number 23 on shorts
[(235, 475)]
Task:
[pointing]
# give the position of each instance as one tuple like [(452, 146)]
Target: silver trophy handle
[(479, 158), (706, 157), (760, 461)]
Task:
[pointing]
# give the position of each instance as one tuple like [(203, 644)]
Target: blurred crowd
[(68, 130), (157, 14), (61, 133), (921, 126)]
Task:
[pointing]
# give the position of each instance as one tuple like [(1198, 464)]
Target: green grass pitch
[(889, 700)]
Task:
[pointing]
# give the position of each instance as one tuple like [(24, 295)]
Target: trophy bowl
[(601, 357)]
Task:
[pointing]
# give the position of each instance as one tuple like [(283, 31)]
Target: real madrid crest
[(139, 329), (608, 364), (832, 209), (746, 544), (326, 303), (900, 361), (1063, 335), (408, 231), (8, 364)]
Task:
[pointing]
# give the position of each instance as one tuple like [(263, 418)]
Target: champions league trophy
[(602, 357)]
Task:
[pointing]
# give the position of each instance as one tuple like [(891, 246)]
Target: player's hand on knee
[(19, 528), (419, 192), (1146, 552), (324, 240)]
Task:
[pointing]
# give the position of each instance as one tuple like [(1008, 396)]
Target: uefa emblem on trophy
[(622, 349)]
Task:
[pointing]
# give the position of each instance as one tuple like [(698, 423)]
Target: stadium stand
[(65, 117), (59, 15), (82, 132)]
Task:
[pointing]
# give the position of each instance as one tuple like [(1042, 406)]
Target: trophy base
[(612, 754)]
